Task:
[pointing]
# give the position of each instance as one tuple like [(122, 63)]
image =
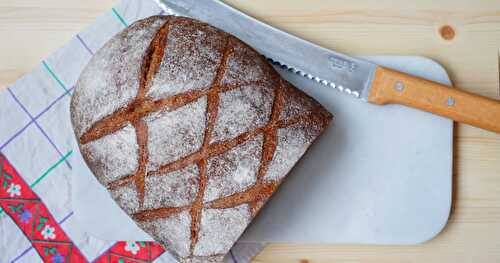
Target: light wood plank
[(31, 30)]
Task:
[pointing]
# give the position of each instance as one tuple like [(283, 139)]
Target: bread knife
[(360, 78)]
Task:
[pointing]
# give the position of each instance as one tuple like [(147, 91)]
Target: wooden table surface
[(468, 47)]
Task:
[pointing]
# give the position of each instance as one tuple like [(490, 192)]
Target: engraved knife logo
[(341, 63)]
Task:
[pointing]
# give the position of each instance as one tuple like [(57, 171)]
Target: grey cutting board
[(379, 175)]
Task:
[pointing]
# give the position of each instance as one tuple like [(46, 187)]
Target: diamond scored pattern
[(136, 112)]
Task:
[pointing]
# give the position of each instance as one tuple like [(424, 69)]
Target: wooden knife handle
[(390, 86)]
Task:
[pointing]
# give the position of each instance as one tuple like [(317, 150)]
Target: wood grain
[(393, 87), (35, 28)]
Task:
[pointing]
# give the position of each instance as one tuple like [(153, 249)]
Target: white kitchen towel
[(36, 220)]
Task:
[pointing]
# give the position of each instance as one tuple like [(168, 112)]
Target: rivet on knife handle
[(391, 86)]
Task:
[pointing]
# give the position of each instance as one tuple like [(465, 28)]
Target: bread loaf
[(190, 130)]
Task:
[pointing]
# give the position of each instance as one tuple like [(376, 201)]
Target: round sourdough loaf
[(190, 130)]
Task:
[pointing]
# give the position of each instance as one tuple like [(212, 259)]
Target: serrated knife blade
[(358, 77)]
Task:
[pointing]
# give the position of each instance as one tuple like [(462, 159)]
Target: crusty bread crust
[(191, 131)]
